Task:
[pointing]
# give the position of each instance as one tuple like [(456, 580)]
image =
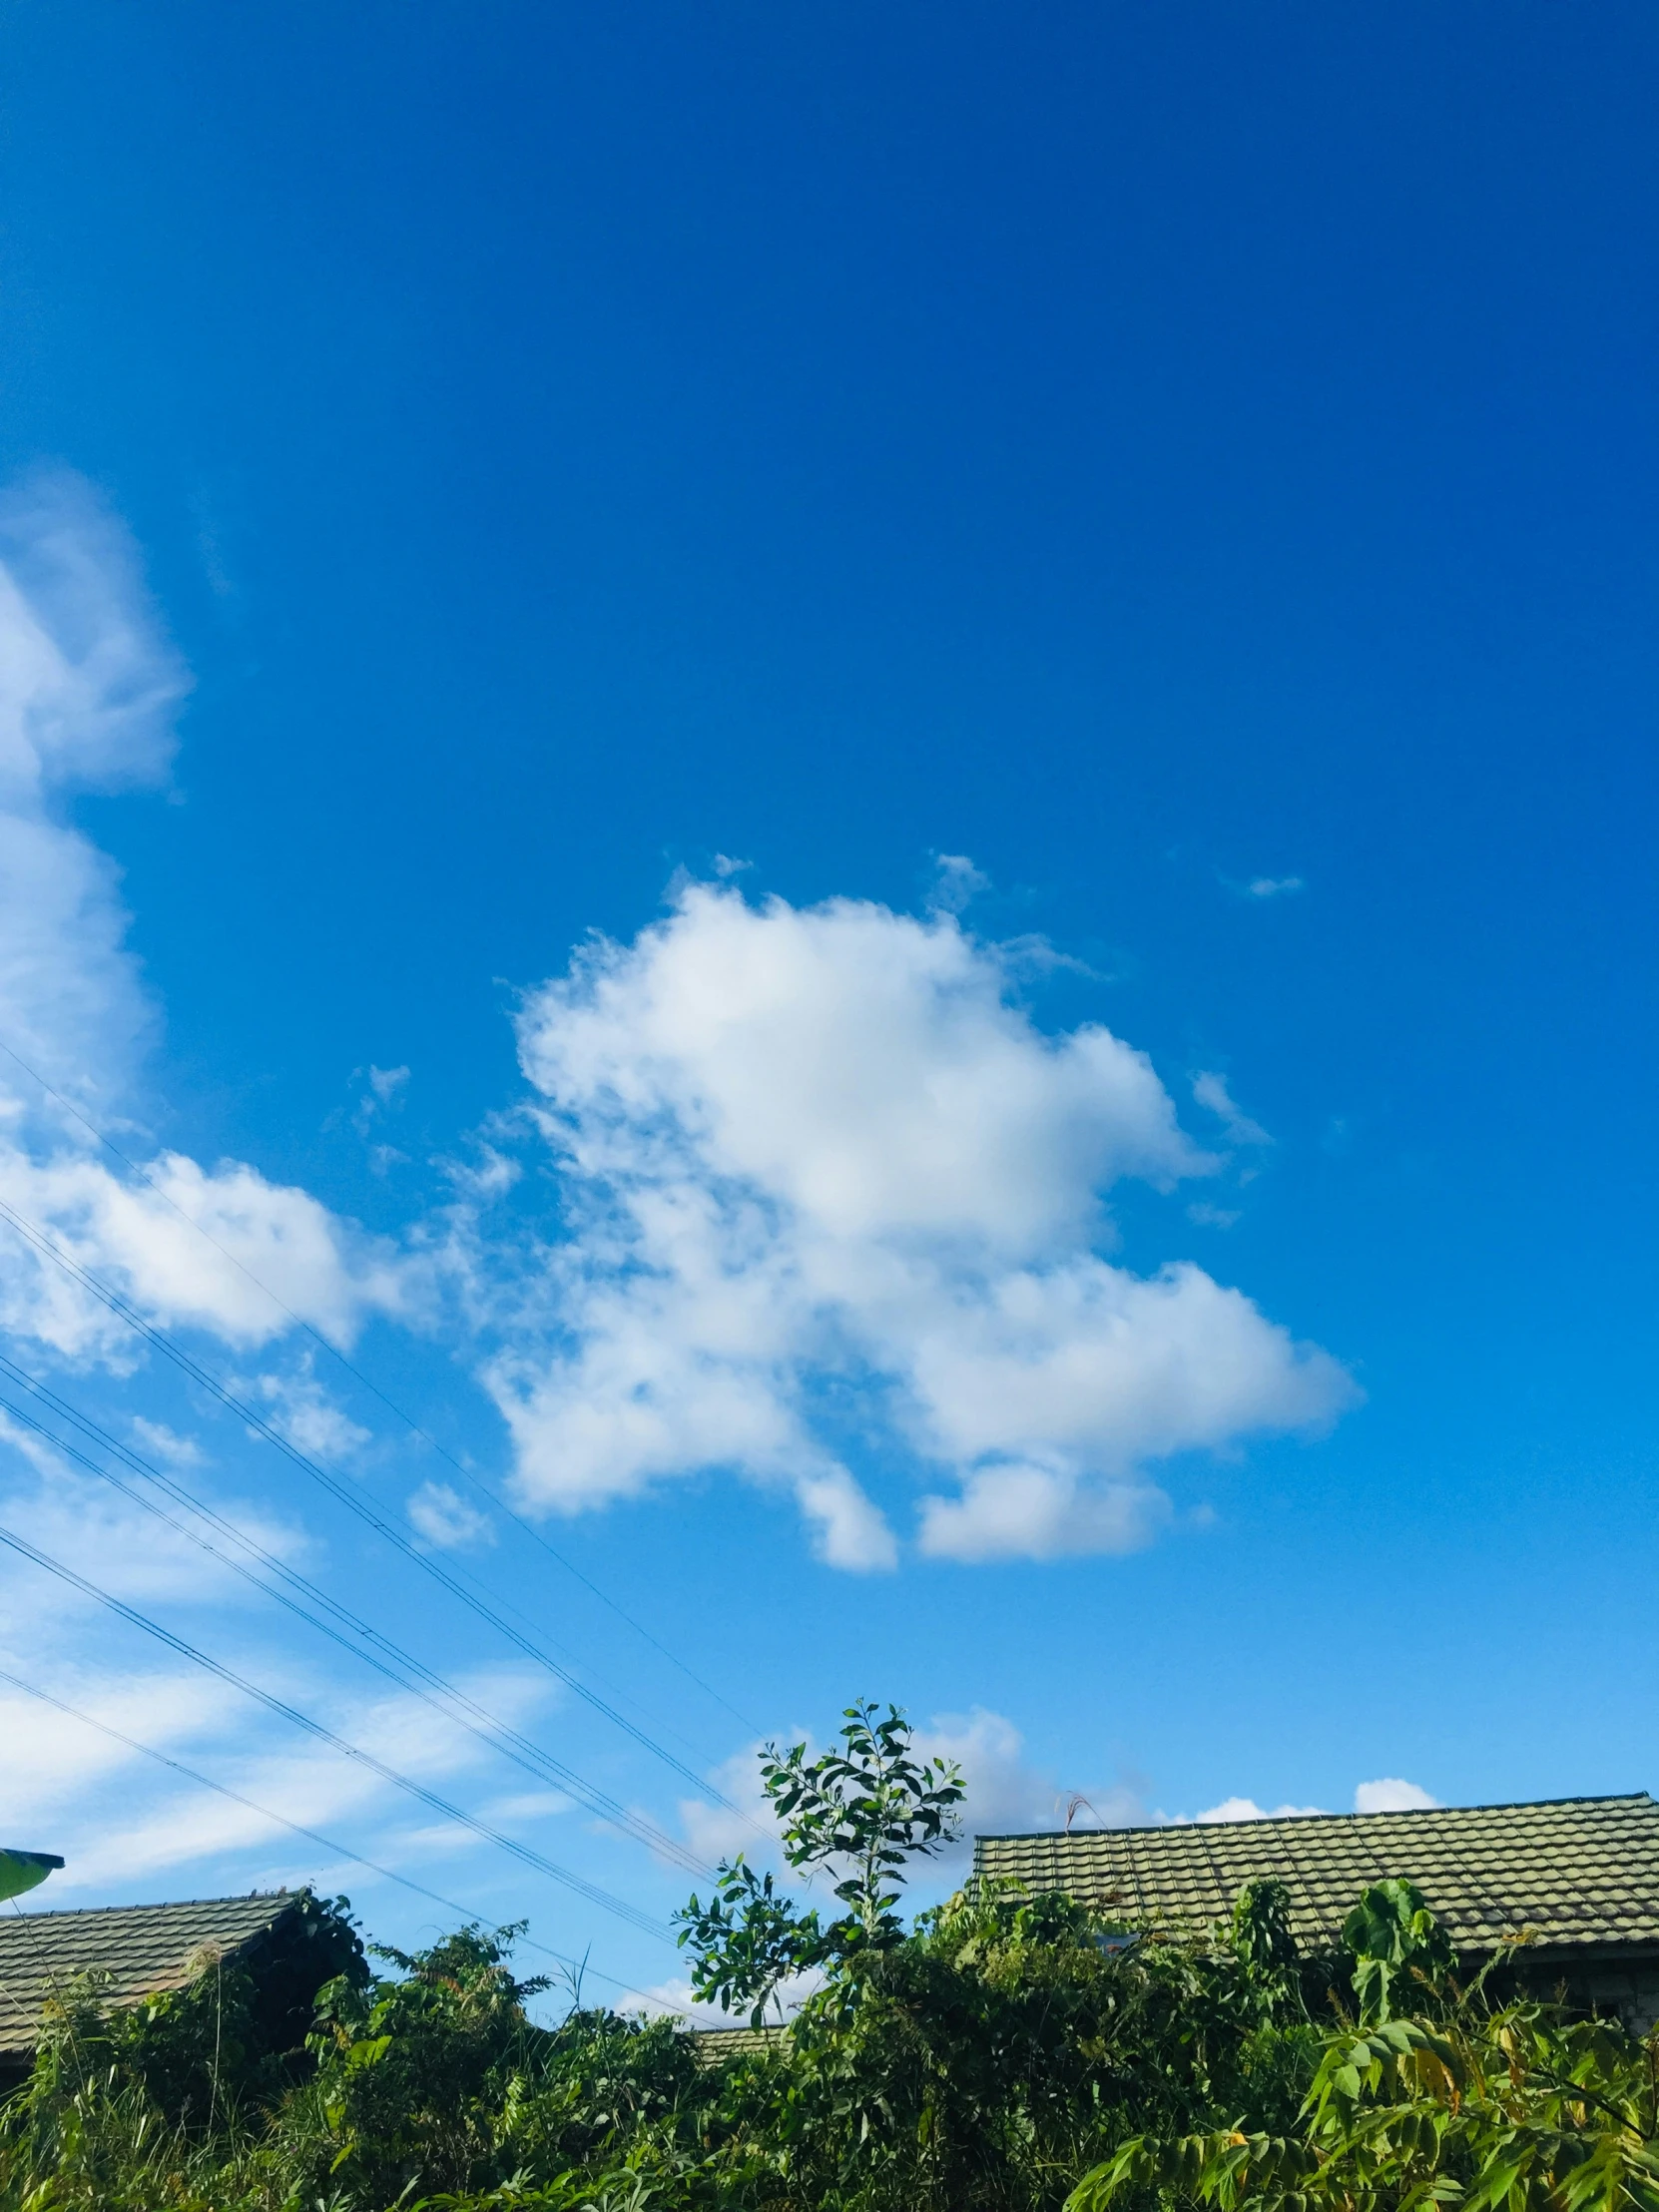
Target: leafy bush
[(1507, 2107), (1004, 2053)]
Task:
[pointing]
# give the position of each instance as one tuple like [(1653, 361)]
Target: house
[(125, 1953), (1580, 1874)]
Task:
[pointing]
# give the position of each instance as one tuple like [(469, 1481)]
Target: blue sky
[(877, 791)]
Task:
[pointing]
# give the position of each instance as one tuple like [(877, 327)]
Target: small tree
[(867, 1809), (1397, 1944)]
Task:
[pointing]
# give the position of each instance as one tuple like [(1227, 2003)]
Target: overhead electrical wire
[(293, 1714), (397, 1666), (346, 1495), (577, 1966), (500, 1734), (467, 1473)]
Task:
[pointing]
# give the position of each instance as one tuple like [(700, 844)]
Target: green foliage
[(412, 2070), (865, 1809), (1506, 2108), (981, 2061), (746, 1941), (233, 2039), (1395, 1939), (869, 1807), (1262, 1940)]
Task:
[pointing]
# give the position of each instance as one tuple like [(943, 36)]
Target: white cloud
[(141, 1239), (482, 1181), (1391, 1795), (1273, 886), (88, 692), (1247, 1808), (447, 1520), (161, 1443), (745, 1823), (1111, 1368), (527, 1805), (1006, 1792), (91, 1526), (1036, 1512), (89, 689), (1211, 1092), (55, 1763), (848, 1530), (61, 1776), (807, 1152), (382, 1093), (956, 883), (301, 1410)]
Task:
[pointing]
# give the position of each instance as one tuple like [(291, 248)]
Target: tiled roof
[(715, 2045), (1583, 1873), (142, 1948)]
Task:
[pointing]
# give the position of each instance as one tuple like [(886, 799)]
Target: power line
[(497, 1734), (336, 1850), (467, 1473), (346, 1495), (597, 1799), (293, 1714)]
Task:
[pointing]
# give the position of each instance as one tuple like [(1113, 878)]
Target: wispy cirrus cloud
[(119, 1818), (90, 691), (1211, 1092), (1262, 888)]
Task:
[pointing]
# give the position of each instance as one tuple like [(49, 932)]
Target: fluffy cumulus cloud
[(824, 1174), (221, 1250), (1392, 1795), (88, 693), (1388, 1795), (837, 1218), (1007, 1791), (834, 1200), (1247, 1808)]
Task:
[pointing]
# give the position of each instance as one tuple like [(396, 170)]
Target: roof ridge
[(160, 1904), (1313, 1820)]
